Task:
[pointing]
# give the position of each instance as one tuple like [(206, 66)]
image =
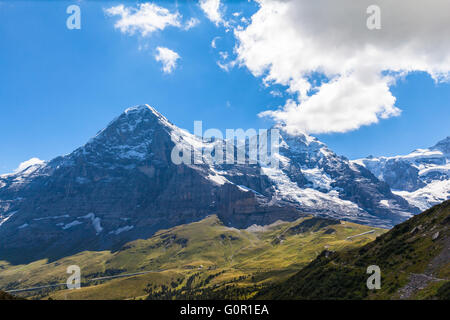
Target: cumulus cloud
[(168, 58), (145, 18), (213, 11), (295, 43)]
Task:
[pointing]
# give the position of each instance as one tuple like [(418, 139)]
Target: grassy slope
[(192, 257), (405, 254)]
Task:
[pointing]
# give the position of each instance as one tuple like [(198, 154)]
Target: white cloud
[(223, 55), (146, 18), (276, 93), (338, 106), (214, 42), (226, 66), (192, 22), (288, 42), (213, 11), (168, 58)]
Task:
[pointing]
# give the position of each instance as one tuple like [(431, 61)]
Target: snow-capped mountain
[(123, 185), (421, 177), (337, 186)]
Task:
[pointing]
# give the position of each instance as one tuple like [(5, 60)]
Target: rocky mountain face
[(328, 183), (421, 177), (123, 185)]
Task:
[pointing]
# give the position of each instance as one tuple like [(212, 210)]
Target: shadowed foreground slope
[(6, 296), (414, 258)]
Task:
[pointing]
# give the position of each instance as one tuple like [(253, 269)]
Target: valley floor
[(200, 260)]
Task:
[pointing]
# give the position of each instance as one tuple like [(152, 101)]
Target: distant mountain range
[(122, 185), (421, 177)]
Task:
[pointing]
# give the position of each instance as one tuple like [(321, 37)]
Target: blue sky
[(58, 87)]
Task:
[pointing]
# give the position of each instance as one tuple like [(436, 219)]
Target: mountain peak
[(140, 117), (299, 136), (443, 145), (126, 138), (26, 168), (139, 108), (301, 142), (143, 109), (29, 165)]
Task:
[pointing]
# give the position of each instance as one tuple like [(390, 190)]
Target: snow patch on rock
[(428, 196), (71, 224), (96, 222), (121, 229), (6, 217), (318, 178)]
